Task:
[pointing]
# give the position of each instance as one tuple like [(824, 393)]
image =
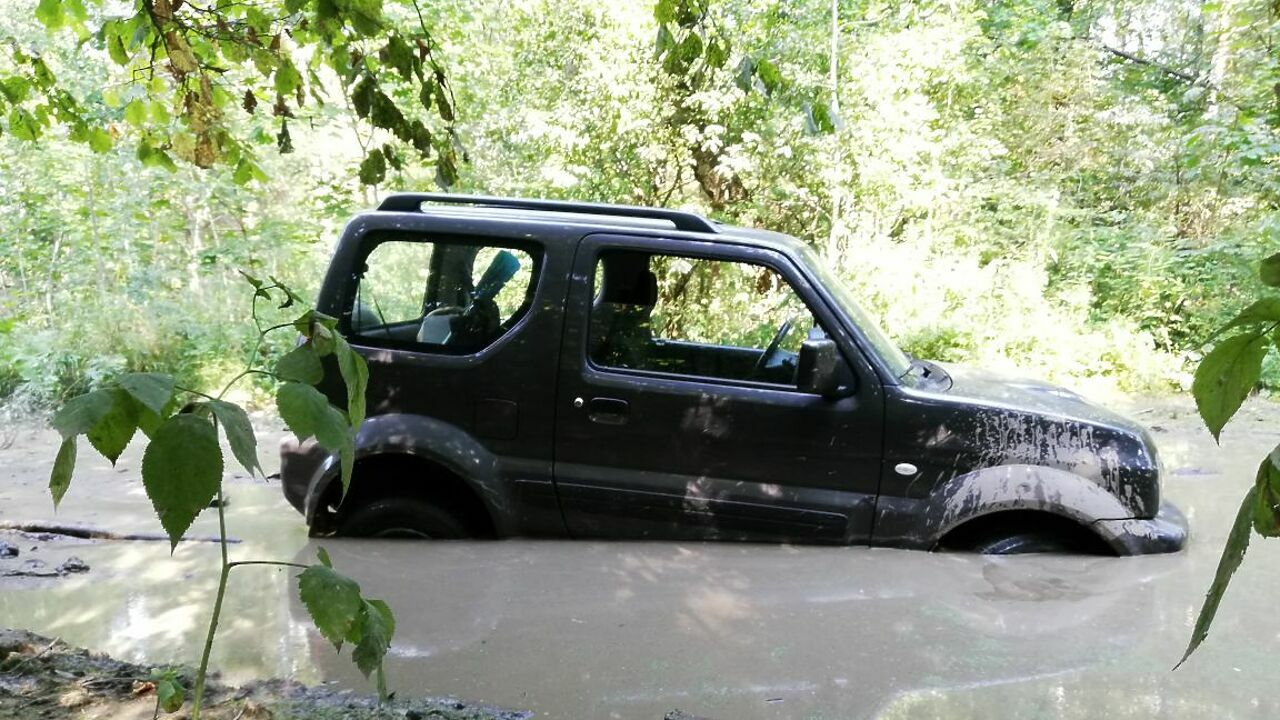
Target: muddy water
[(628, 630)]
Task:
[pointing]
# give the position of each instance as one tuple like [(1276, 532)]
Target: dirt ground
[(44, 679), (635, 630)]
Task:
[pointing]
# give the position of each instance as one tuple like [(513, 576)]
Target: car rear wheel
[(402, 517)]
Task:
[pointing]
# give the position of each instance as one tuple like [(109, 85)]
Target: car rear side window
[(438, 296), (697, 317)]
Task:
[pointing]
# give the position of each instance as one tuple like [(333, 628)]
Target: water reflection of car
[(563, 369)]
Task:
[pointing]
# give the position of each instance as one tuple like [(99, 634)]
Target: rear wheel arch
[(402, 475)]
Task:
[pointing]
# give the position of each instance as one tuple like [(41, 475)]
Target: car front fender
[(1018, 487)]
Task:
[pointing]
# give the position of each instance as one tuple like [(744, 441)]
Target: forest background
[(1079, 190)]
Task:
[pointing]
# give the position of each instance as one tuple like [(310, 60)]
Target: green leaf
[(717, 53), (398, 55), (1266, 511), (100, 140), (664, 11), (63, 466), (746, 74), (153, 390), (116, 49), (50, 13), (1269, 271), (333, 601), (23, 125), (307, 412), (112, 433), (1225, 377), (135, 113), (1232, 556), (182, 471), (664, 42), (82, 412), (769, 75), (1266, 310), (169, 694), (355, 374), (149, 420), (239, 431), (301, 364), (373, 635), (373, 169), (287, 78)]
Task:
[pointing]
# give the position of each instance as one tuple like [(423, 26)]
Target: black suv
[(566, 369)]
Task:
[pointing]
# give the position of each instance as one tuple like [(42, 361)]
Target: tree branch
[(1171, 72)]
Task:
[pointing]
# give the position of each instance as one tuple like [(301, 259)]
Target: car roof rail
[(412, 202)]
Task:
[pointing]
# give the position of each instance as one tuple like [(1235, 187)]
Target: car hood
[(1007, 391)]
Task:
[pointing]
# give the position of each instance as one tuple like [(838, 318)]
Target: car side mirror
[(818, 369)]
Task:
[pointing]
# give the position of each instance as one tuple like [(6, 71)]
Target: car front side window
[(697, 317)]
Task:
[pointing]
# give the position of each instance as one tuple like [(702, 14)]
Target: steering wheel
[(446, 310), (772, 349)]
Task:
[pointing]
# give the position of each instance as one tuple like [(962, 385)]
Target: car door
[(673, 421)]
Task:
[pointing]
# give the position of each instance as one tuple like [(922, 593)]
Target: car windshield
[(898, 362)]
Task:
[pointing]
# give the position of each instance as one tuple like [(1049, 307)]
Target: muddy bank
[(46, 679)]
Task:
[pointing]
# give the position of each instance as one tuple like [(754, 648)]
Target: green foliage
[(170, 694), (1223, 380), (343, 615), (187, 72), (182, 465)]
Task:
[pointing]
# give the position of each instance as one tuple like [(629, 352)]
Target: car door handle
[(608, 411)]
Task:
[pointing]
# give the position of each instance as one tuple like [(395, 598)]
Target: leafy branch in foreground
[(182, 466), (1224, 378)]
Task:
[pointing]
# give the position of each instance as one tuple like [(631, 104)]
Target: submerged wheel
[(1023, 543), (402, 517), (1019, 532)]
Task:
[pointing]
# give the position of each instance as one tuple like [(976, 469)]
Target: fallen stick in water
[(91, 533)]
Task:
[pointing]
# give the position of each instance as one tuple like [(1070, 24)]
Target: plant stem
[(217, 611), (281, 563)]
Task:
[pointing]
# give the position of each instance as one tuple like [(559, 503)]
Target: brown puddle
[(634, 630)]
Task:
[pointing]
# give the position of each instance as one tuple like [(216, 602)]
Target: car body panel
[(553, 444)]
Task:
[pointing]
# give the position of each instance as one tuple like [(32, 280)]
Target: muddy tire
[(1023, 543), (1018, 533), (401, 517)]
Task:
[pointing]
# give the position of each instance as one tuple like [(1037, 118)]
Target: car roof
[(650, 221)]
